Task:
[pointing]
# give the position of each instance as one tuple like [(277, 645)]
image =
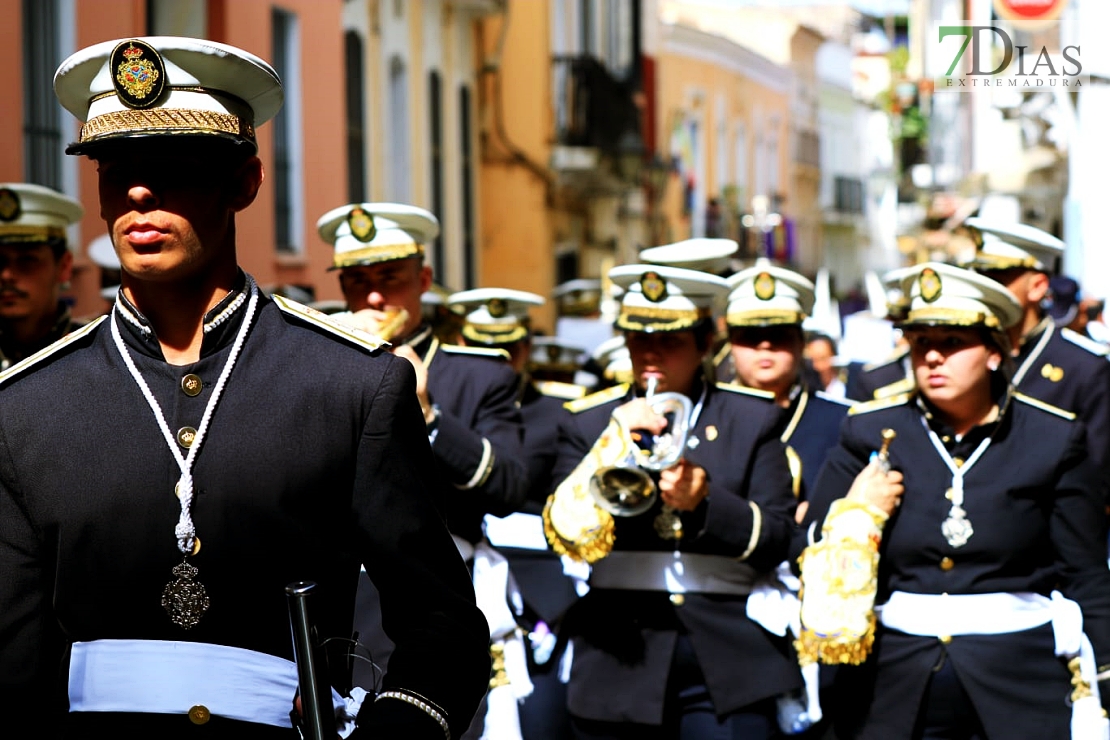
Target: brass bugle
[(392, 324), (888, 436)]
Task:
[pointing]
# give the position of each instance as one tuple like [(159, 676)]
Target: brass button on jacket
[(185, 436), (192, 385), (199, 715)]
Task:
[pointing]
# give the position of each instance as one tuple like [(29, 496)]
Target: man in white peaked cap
[(186, 458), (35, 266)]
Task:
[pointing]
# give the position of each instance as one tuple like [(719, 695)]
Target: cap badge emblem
[(10, 208), (552, 353), (362, 225), (653, 287), (764, 286), (929, 282), (140, 74), (497, 307)]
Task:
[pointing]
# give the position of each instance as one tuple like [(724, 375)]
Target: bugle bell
[(627, 489)]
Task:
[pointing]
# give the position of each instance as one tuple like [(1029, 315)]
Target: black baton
[(317, 710)]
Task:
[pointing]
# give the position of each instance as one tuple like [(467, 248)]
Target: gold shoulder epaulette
[(867, 407), (1095, 348), (323, 321), (1056, 410), (737, 388), (458, 349), (556, 389), (44, 353), (895, 356), (898, 387), (596, 399)]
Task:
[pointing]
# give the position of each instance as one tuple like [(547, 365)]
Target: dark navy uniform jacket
[(316, 461), (624, 640), (1035, 504), (810, 427), (1065, 369), (478, 442), (870, 378)]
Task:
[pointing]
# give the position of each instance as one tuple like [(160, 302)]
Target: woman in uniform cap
[(662, 644), (982, 520)]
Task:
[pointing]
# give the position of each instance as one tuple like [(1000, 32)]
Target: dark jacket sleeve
[(484, 456), (1078, 531), (31, 645), (427, 600), (756, 523), (1094, 412)]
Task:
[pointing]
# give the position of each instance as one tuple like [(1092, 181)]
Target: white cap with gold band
[(159, 85), (657, 298), (942, 294), (1002, 245), (33, 213), (765, 294), (368, 233), (495, 316), (703, 254)]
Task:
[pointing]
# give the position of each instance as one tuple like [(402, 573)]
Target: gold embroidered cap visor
[(766, 295), (166, 86), (659, 298), (945, 295), (368, 233)]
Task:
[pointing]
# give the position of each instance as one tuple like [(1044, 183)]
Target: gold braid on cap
[(24, 234), (953, 317), (636, 318), (165, 120), (495, 334), (384, 253), (764, 318)]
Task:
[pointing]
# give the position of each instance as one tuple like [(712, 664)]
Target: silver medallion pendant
[(957, 527), (184, 598), (668, 525)]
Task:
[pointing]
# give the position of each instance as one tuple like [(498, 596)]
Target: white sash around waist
[(520, 530), (673, 572), (938, 615), (162, 677)]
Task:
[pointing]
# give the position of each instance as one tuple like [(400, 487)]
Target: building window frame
[(288, 158)]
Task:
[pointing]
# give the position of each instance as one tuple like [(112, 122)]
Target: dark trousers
[(688, 713), (947, 712)]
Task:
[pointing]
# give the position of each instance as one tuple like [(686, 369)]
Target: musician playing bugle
[(662, 645), (981, 546)]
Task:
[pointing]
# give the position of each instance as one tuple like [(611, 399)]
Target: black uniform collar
[(221, 322), (11, 353), (971, 440), (420, 340)]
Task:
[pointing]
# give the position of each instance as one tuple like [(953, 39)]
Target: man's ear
[(65, 267), (245, 182), (1037, 287)]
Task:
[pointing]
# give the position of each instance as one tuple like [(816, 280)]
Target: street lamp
[(629, 156)]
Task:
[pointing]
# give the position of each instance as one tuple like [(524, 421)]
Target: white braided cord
[(185, 529)]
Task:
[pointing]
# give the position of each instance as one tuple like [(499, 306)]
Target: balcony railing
[(592, 107)]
